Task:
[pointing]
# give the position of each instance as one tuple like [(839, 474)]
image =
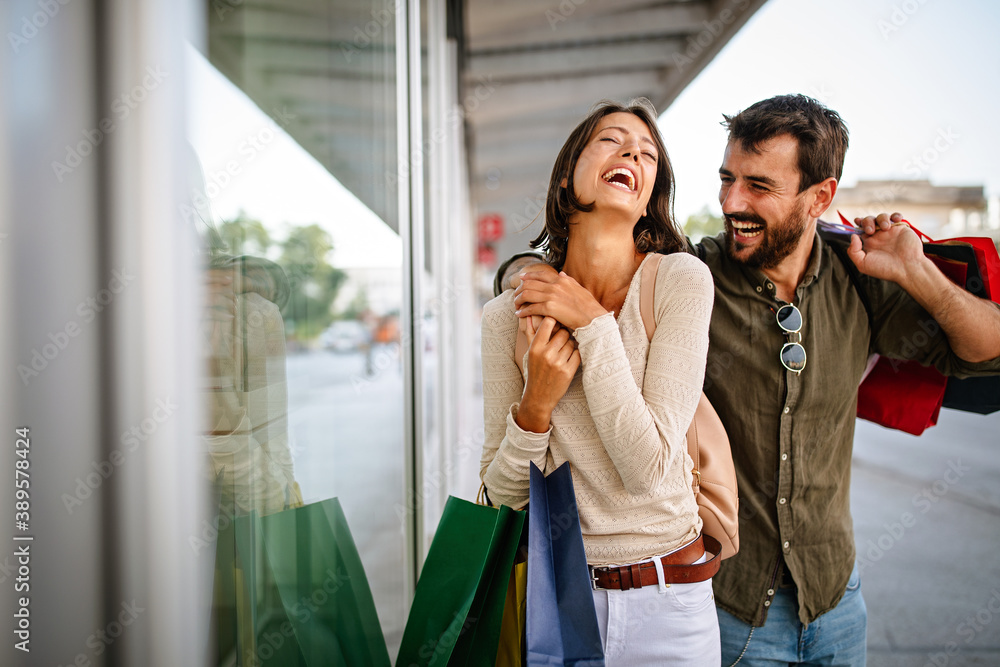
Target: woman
[(599, 393)]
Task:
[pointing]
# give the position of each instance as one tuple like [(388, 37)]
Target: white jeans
[(675, 624)]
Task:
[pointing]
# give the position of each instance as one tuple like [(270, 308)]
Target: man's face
[(764, 212)]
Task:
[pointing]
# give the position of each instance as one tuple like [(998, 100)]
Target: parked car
[(345, 336)]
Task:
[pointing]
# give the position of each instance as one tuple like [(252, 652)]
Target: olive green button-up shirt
[(792, 434)]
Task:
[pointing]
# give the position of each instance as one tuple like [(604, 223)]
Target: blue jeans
[(838, 637)]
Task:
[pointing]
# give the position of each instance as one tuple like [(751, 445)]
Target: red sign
[(490, 228), (487, 255)]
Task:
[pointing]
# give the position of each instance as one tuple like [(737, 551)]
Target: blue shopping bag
[(561, 620)]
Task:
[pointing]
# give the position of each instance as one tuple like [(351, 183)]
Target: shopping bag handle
[(923, 237)]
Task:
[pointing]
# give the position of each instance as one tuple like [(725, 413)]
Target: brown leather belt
[(677, 568)]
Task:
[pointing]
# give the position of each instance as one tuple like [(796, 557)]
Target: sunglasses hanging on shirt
[(793, 355)]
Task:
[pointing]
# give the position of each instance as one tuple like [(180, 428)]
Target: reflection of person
[(792, 593), (247, 396), (621, 420), (245, 393)]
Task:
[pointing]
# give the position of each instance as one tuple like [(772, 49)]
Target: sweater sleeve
[(507, 449), (644, 431)]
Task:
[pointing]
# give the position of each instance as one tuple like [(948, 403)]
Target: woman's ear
[(564, 182)]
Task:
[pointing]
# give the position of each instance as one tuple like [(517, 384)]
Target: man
[(784, 378)]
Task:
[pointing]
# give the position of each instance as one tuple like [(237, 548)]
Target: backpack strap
[(647, 289)]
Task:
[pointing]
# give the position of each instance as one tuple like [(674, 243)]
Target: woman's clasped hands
[(549, 294)]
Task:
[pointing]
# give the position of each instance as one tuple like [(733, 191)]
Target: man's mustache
[(745, 217)]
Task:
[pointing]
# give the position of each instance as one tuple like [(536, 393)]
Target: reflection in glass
[(294, 124)]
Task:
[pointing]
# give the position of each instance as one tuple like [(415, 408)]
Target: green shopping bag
[(459, 603), (304, 598)]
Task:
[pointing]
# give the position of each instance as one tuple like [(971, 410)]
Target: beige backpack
[(714, 477)]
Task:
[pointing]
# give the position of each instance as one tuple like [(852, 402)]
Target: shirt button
[(784, 457), (787, 410), (770, 286), (785, 545), (767, 603), (759, 289), (782, 502), (770, 591)]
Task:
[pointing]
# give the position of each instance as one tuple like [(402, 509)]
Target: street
[(927, 529)]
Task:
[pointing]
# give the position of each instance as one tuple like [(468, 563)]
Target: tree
[(314, 283), (245, 236), (703, 223)]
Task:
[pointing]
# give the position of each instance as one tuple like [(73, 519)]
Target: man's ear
[(823, 194)]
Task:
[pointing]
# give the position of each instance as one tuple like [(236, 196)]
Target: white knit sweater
[(621, 423)]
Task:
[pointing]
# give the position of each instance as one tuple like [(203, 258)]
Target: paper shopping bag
[(562, 622), (458, 607)]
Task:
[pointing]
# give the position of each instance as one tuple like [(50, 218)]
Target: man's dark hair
[(654, 232), (821, 133)]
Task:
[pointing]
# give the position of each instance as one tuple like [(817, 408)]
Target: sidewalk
[(927, 528)]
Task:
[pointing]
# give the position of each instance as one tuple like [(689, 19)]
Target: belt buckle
[(593, 577)]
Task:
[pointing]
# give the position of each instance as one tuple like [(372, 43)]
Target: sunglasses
[(793, 355)]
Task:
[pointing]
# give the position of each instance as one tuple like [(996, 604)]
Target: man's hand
[(888, 249), (549, 294), (552, 362), (508, 276)]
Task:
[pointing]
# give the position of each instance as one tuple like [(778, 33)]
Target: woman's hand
[(552, 362), (546, 293)]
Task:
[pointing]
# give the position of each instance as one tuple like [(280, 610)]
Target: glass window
[(294, 194)]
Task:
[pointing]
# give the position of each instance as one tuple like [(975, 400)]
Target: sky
[(915, 80), (903, 74)]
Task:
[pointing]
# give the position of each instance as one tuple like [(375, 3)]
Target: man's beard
[(778, 243)]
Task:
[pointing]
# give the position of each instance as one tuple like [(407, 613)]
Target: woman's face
[(617, 168)]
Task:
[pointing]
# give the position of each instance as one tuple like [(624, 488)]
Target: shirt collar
[(763, 285)]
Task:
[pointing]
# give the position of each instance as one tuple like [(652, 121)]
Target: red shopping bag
[(902, 395), (907, 396)]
